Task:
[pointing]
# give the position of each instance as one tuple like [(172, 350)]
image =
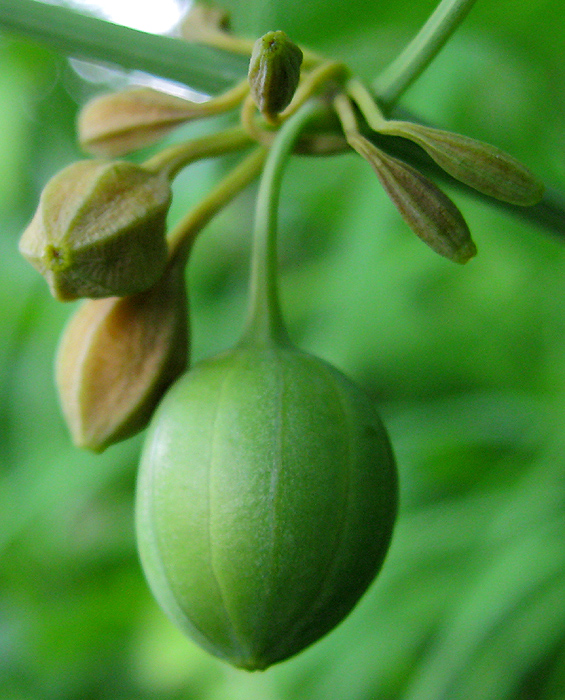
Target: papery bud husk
[(116, 359), (274, 72), (479, 165), (424, 207), (203, 20), (99, 230), (117, 123)]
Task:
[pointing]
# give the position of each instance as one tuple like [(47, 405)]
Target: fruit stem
[(183, 235), (265, 323)]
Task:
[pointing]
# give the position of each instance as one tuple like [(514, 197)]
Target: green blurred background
[(467, 365)]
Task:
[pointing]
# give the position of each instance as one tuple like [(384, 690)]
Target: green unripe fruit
[(266, 500)]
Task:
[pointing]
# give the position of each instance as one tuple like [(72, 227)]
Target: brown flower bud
[(121, 122), (117, 357), (424, 207), (274, 72), (99, 230)]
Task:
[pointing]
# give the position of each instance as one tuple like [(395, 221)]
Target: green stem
[(183, 235), (415, 58), (171, 160), (203, 68), (325, 74), (265, 323)]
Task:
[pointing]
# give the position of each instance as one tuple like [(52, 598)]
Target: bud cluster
[(99, 231), (100, 234)]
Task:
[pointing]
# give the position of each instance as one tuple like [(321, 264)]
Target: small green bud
[(266, 500), (121, 122), (479, 165), (274, 73), (424, 207), (117, 357), (99, 230)]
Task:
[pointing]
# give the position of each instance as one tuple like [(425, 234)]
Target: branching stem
[(181, 238), (416, 57), (174, 158)]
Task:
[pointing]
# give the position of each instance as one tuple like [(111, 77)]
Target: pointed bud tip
[(465, 253)]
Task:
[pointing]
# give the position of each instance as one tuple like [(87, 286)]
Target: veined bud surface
[(266, 500), (274, 72), (114, 124), (99, 230), (117, 357)]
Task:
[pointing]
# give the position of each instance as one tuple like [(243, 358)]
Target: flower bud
[(266, 500), (274, 72), (426, 209), (99, 230), (479, 165), (117, 357), (203, 20), (121, 122)]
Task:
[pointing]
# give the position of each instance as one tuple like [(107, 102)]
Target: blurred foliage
[(467, 366)]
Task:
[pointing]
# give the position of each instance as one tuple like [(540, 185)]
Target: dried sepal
[(424, 207), (274, 72), (116, 359), (117, 123), (99, 230), (203, 20), (479, 165)]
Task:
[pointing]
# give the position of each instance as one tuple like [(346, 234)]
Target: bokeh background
[(466, 364)]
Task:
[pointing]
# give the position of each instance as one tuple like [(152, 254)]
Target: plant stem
[(203, 68), (265, 323), (174, 158), (183, 235), (415, 58)]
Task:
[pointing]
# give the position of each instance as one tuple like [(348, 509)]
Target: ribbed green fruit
[(266, 500)]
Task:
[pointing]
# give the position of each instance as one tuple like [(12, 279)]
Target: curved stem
[(320, 77), (416, 57), (174, 158), (265, 324), (367, 105), (181, 238), (203, 68)]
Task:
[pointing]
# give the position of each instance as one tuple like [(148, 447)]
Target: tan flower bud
[(118, 123), (274, 72), (425, 208), (99, 230), (117, 357), (203, 20)]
